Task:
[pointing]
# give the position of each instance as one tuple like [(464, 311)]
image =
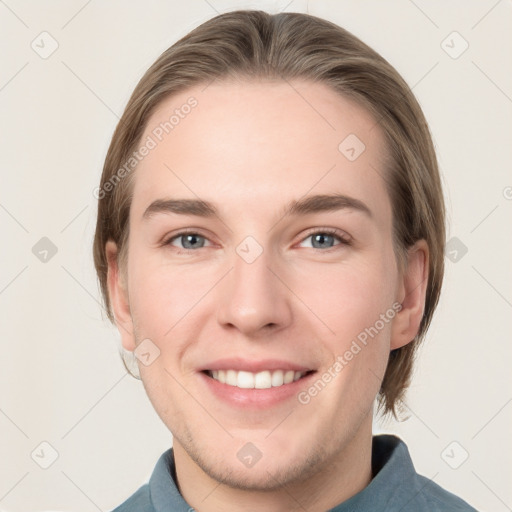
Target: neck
[(338, 478)]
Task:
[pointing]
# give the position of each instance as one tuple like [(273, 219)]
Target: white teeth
[(230, 377), (277, 378), (261, 380), (245, 380), (288, 376)]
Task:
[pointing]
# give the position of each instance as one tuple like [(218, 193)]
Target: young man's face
[(255, 289)]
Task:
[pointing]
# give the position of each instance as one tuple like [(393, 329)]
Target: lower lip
[(255, 398)]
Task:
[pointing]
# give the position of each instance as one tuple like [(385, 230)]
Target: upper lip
[(254, 366)]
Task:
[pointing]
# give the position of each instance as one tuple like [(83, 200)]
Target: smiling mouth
[(260, 380)]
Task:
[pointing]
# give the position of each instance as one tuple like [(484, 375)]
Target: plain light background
[(62, 381)]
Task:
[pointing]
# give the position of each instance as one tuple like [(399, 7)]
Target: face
[(266, 317)]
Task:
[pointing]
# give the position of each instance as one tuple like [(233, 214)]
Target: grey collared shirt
[(395, 487)]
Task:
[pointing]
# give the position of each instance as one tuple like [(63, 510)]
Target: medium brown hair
[(287, 46)]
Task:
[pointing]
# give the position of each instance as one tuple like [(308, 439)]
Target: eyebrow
[(303, 206)]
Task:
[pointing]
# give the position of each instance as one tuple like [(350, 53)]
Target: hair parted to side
[(247, 45)]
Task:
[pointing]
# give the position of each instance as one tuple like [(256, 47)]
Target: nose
[(253, 297)]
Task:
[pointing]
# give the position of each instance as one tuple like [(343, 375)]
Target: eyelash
[(342, 238)]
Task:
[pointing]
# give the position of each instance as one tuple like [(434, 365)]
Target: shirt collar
[(394, 481)]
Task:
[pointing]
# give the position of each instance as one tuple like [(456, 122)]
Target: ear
[(118, 294), (411, 294)]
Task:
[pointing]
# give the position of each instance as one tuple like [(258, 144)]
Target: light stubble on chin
[(310, 460)]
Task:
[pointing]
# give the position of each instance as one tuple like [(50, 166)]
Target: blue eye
[(325, 239), (190, 241), (322, 239)]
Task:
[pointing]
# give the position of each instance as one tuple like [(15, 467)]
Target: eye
[(187, 240), (325, 238)]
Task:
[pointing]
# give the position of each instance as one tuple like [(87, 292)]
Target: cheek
[(357, 306), (163, 295), (349, 299)]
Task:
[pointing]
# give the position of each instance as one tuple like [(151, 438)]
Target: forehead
[(244, 142)]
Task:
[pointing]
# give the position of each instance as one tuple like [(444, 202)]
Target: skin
[(250, 148)]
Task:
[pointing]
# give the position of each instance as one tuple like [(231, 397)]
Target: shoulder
[(137, 502), (400, 487), (434, 498), (160, 492)]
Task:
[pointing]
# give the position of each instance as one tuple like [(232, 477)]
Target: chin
[(240, 464), (262, 477)]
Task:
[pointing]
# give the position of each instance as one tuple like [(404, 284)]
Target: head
[(247, 118)]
